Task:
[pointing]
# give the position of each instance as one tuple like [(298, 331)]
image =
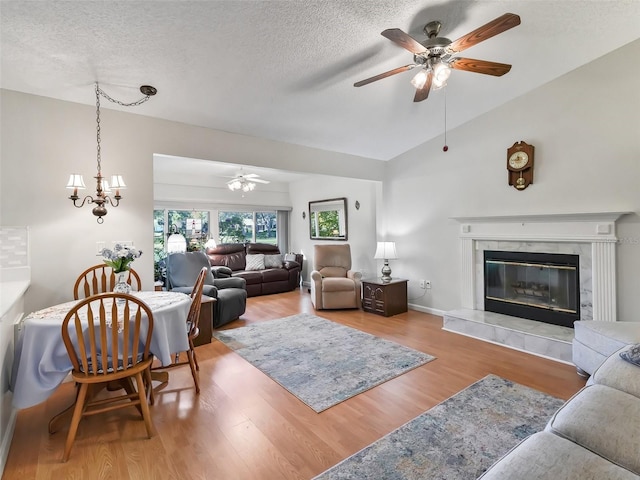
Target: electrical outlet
[(425, 284)]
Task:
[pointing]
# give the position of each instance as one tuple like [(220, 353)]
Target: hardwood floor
[(245, 426)]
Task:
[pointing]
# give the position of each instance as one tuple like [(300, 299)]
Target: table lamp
[(386, 251)]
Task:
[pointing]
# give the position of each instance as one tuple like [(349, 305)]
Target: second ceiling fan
[(435, 56)]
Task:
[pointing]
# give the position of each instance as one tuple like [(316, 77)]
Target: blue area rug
[(458, 439), (321, 362)]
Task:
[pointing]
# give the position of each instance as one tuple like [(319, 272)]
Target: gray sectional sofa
[(595, 435)]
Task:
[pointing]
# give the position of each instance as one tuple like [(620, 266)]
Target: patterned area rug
[(322, 363), (458, 439)]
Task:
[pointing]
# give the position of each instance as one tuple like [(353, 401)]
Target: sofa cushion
[(333, 272), (265, 248), (544, 456), (619, 374), (255, 262), (603, 420), (273, 261), (252, 277), (337, 284), (275, 275)]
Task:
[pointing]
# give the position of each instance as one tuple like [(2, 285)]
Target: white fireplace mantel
[(596, 229)]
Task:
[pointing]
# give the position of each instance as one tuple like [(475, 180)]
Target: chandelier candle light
[(103, 189), (386, 251)]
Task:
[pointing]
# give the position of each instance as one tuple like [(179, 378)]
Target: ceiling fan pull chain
[(446, 147)]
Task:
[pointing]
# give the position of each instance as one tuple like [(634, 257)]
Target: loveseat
[(595, 435), (261, 265)]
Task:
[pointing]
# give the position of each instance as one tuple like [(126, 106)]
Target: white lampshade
[(386, 251), (211, 243), (176, 243), (117, 182), (76, 181)]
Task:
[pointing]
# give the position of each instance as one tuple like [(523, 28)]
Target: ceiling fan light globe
[(419, 79), (441, 73)]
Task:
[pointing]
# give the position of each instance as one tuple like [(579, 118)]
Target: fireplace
[(589, 236), (538, 286)]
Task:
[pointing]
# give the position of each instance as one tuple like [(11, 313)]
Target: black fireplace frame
[(553, 317)]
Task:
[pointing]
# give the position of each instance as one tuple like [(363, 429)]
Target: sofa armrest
[(220, 271), (208, 290), (316, 289), (233, 282), (290, 265)]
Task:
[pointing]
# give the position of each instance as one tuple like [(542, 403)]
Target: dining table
[(41, 360)]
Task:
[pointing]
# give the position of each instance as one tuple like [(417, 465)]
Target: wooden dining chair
[(193, 330), (114, 347), (101, 279)]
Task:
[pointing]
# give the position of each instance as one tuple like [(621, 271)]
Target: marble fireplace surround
[(592, 236)]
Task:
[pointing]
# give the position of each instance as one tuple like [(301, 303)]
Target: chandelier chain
[(104, 195), (98, 127), (132, 104)]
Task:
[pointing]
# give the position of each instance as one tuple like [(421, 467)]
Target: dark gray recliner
[(182, 272)]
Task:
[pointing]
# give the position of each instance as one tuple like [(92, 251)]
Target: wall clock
[(520, 165)]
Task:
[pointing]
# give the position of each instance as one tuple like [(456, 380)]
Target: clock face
[(518, 160)]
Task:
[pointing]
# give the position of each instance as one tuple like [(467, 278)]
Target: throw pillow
[(632, 354), (290, 257), (273, 261), (255, 262)]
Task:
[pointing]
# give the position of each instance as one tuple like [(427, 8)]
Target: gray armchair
[(231, 294)]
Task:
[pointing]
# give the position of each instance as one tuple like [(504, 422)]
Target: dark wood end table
[(384, 297)]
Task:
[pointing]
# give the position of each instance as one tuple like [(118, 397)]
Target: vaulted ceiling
[(284, 69)]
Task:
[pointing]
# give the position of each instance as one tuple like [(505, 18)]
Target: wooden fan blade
[(383, 75), (404, 40), (423, 93), (499, 25), (480, 66)]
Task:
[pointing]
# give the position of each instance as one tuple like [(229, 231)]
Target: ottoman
[(594, 341)]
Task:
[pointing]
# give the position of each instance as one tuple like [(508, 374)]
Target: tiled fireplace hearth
[(591, 236)]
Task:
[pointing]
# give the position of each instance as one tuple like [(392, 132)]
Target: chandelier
[(241, 184), (104, 189)]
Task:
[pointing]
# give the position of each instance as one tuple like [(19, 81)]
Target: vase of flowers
[(120, 259)]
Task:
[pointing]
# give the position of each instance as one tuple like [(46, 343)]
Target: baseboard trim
[(432, 311)]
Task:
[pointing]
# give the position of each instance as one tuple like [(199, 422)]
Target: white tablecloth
[(41, 359)]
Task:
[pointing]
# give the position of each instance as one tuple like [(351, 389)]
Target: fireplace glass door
[(540, 287)]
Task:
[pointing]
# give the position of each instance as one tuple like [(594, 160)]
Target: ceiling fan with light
[(435, 57), (245, 182)]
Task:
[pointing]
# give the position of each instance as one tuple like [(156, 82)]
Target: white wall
[(585, 128), (361, 222), (205, 190), (44, 140)]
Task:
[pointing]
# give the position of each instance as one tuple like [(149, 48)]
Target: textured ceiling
[(284, 70)]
